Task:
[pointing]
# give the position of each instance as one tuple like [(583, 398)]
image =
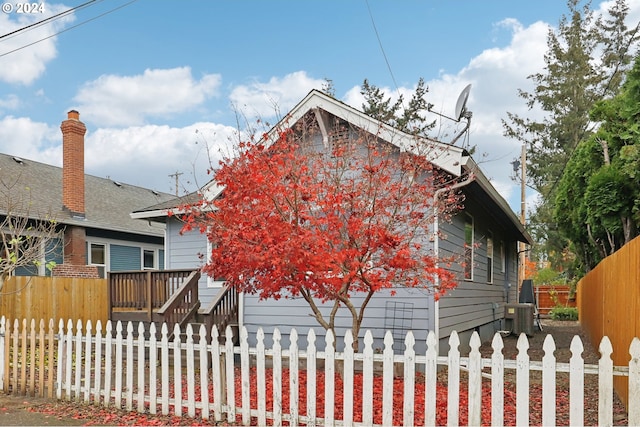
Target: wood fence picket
[(192, 374)]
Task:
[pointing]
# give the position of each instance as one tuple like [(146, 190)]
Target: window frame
[(102, 267), (154, 253)]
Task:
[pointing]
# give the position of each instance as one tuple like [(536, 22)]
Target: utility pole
[(523, 213), (176, 176)]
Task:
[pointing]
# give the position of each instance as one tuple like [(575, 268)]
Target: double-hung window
[(490, 258)]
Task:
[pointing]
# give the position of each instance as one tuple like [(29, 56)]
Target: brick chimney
[(73, 131), (75, 237)]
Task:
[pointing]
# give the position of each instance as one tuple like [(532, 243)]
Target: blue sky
[(159, 82)]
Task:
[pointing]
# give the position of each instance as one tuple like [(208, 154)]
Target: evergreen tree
[(409, 119), (586, 60), (598, 197)]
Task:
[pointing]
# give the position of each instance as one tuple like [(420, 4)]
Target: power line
[(384, 55), (70, 28), (51, 18)]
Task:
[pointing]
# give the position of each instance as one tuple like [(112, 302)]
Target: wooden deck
[(169, 296)]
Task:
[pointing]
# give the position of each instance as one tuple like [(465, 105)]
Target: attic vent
[(18, 160), (118, 184)]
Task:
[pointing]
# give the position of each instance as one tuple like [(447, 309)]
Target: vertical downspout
[(436, 282)]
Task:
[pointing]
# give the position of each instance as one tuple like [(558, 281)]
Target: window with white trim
[(148, 259), (98, 257), (490, 258)]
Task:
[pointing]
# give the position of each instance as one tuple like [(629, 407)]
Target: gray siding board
[(474, 304), (183, 251), (125, 258), (287, 313)]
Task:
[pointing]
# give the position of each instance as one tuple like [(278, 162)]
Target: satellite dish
[(461, 104)]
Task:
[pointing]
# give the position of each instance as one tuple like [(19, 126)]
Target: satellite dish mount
[(461, 112)]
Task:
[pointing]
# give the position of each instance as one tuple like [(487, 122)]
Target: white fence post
[(430, 381), (108, 360), (311, 378), (261, 374), (548, 382), (605, 384), (522, 381), (98, 364), (245, 377), (367, 379), (177, 371), (387, 380), (61, 352), (277, 378), (141, 353), (87, 364), (576, 383), (294, 386), (475, 381), (408, 409), (204, 372), (229, 364), (118, 396), (347, 379), (453, 383), (634, 382), (128, 392), (329, 379), (497, 381), (164, 356), (68, 357)]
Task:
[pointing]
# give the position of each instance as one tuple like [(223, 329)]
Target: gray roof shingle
[(107, 205)]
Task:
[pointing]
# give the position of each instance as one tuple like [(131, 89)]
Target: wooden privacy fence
[(548, 296), (37, 297), (187, 376), (609, 303)]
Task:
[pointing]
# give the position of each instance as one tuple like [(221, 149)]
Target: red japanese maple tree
[(327, 222)]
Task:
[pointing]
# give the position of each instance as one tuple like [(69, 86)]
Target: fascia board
[(500, 201), (446, 157)]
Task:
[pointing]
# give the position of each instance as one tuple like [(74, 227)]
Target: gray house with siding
[(485, 234)]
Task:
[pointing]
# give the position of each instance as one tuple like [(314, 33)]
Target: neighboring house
[(487, 227), (184, 250), (93, 213)]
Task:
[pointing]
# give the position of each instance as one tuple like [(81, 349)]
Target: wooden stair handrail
[(223, 310), (174, 310)]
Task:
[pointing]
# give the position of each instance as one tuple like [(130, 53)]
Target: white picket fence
[(193, 378)]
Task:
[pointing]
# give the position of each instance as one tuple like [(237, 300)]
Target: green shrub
[(564, 313)]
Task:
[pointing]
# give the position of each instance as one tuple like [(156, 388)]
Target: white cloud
[(147, 155), (10, 102), (113, 100), (26, 54), (143, 156), (496, 74), (274, 98), (22, 137)]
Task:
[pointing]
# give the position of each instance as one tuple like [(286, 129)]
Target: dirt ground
[(15, 411), (27, 411)]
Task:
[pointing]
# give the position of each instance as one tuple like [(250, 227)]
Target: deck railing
[(223, 310), (148, 290), (183, 303)]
